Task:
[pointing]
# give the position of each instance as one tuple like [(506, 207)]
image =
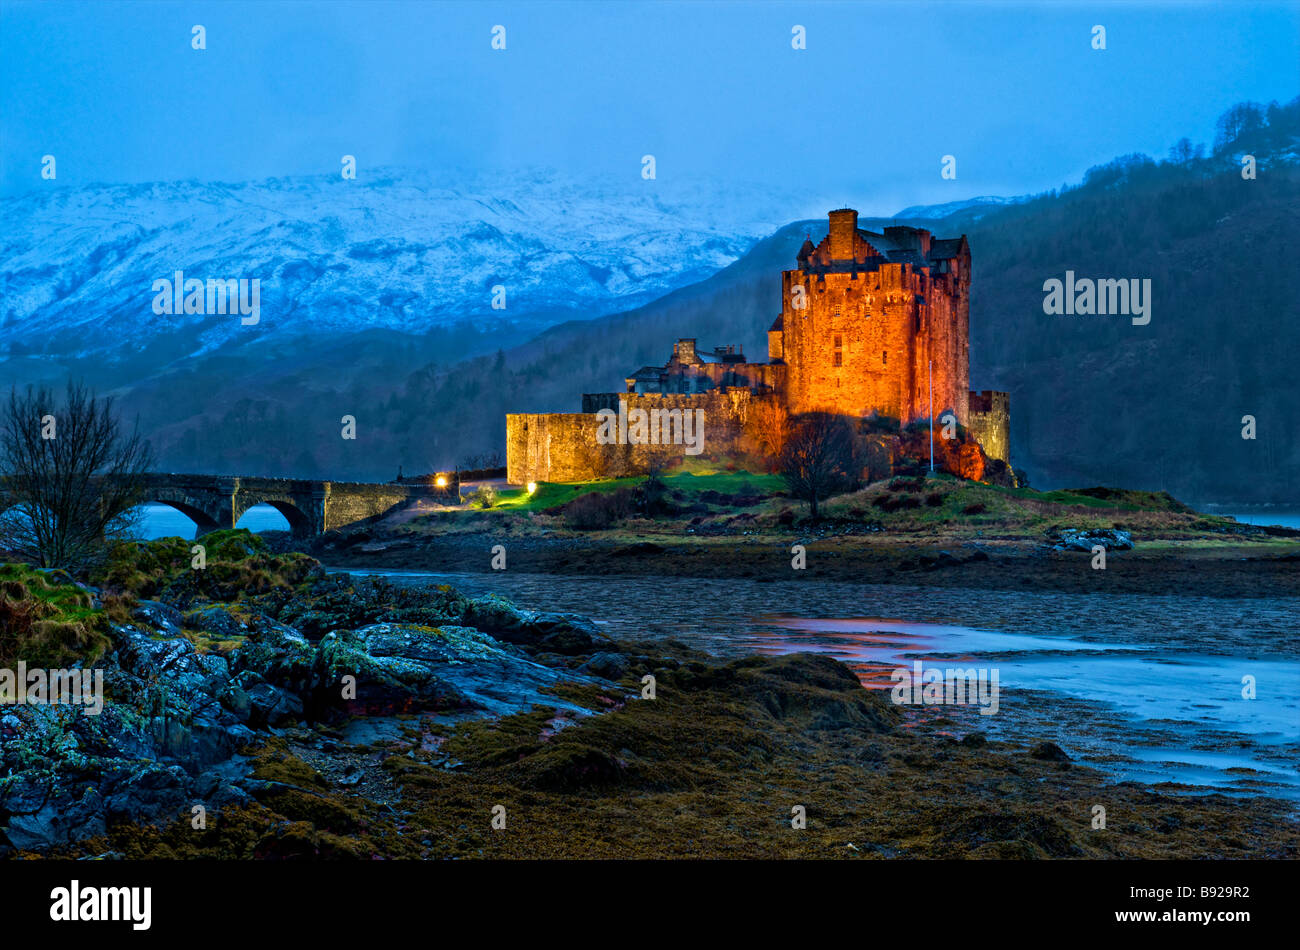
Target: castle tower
[(862, 316)]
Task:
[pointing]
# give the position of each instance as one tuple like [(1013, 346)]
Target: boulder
[(271, 706), (1048, 752), (610, 666), (173, 660), (548, 632), (383, 684), (1073, 539), (160, 616)]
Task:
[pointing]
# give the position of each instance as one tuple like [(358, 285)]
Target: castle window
[(839, 358), (884, 356)]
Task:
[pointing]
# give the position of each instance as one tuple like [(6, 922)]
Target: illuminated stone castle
[(872, 326)]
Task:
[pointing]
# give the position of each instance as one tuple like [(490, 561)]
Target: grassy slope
[(47, 621)]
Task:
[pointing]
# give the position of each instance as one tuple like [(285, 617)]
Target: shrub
[(237, 563), (596, 510), (908, 484), (896, 502), (652, 499), (485, 496)]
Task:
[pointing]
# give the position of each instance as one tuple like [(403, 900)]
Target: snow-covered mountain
[(393, 250), (980, 205)]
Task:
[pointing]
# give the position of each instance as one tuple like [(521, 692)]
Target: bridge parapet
[(311, 507)]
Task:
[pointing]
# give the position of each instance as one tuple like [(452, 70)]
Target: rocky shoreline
[(261, 708), (206, 671)]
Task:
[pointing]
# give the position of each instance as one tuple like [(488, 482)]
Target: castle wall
[(554, 447), (563, 446), (990, 423)]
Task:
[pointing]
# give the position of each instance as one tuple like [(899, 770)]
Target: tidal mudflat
[(1156, 698)]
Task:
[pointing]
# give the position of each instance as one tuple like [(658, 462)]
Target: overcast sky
[(882, 92)]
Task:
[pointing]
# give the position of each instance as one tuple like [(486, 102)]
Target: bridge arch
[(300, 524), (203, 521)]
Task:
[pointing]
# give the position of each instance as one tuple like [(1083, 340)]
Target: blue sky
[(867, 111)]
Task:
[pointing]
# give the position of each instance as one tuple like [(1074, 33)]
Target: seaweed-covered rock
[(400, 667), (350, 679), (224, 657), (340, 601), (277, 654), (548, 632), (171, 661), (610, 666), (1048, 752)]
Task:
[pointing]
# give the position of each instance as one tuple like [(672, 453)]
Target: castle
[(872, 326)]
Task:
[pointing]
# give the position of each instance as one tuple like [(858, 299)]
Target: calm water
[(1284, 519), (1145, 688), (164, 521)]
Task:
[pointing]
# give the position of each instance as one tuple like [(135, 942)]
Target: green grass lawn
[(688, 483)]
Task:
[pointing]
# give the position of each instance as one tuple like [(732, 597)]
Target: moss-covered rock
[(236, 564)]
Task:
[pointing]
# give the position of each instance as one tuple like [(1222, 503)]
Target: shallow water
[(164, 521), (1146, 688), (1283, 519)]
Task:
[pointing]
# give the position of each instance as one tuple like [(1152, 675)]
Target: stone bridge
[(310, 507), (213, 502)]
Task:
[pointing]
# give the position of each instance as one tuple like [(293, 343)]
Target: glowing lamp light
[(532, 487), (442, 481)]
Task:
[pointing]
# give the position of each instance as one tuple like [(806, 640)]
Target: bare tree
[(818, 459), (71, 475), (767, 433), (1182, 151), (1241, 119)]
